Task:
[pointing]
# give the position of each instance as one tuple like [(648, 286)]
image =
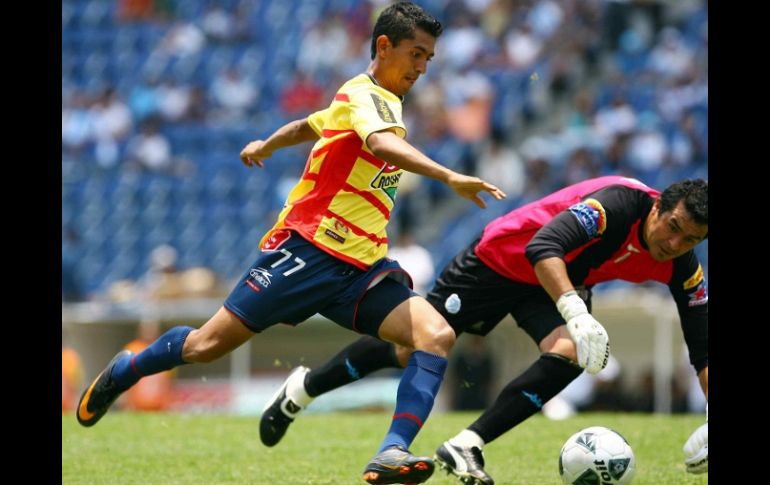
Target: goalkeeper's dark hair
[(400, 20), (695, 195)]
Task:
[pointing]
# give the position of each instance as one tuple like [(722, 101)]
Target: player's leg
[(522, 397), (482, 301), (414, 323), (354, 362), (260, 299), (179, 345), (302, 386)]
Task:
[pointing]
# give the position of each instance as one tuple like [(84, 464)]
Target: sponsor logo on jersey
[(334, 236), (693, 280), (261, 276), (383, 109), (699, 296), (591, 216), (387, 180)]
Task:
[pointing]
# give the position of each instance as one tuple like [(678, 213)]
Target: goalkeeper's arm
[(696, 449), (591, 340)]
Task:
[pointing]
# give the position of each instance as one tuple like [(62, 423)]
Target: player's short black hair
[(400, 20), (694, 193)]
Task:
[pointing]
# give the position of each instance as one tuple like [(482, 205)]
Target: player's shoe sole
[(397, 465), (100, 395)]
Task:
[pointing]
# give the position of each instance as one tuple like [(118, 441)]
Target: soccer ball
[(596, 456)]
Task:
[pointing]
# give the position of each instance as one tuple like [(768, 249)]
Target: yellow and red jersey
[(345, 196)]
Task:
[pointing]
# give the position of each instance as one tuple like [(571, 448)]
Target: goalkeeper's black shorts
[(474, 299)]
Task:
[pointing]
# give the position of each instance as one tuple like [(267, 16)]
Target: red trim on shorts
[(246, 323), (341, 97), (363, 293)]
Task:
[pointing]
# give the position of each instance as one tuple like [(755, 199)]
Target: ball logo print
[(596, 456)]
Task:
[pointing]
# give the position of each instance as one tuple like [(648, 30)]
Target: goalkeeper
[(538, 263)]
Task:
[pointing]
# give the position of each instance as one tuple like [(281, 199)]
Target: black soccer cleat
[(280, 411), (467, 464), (100, 395), (397, 465)]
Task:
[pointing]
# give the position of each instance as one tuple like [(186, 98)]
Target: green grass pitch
[(319, 449)]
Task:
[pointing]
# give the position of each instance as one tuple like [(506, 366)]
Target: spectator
[(163, 279), (415, 259), (71, 286), (499, 162), (302, 95), (233, 95), (149, 149), (71, 375)]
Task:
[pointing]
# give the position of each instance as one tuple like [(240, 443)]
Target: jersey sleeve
[(372, 111), (688, 287), (609, 210), (316, 121)]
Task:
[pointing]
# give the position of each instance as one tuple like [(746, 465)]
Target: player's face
[(673, 233), (403, 64)]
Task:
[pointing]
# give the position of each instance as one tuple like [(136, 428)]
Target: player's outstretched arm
[(292, 133), (393, 149)]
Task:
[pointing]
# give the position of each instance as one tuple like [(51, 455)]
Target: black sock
[(525, 395), (358, 359)]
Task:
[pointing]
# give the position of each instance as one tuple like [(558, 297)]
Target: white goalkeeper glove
[(696, 448), (591, 340)]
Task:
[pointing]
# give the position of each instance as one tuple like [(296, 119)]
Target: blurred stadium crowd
[(159, 97)]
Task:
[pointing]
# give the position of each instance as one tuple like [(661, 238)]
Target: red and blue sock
[(163, 354), (416, 392)]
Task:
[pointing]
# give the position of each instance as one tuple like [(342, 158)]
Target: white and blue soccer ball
[(596, 456)]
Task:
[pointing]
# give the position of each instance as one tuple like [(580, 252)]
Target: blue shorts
[(295, 280)]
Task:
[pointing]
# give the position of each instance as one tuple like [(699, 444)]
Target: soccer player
[(538, 263), (326, 252)]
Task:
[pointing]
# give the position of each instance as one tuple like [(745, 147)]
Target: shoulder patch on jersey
[(700, 296), (591, 216), (383, 109), (693, 280)]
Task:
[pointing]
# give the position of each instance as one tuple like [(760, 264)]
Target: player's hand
[(591, 341), (469, 187), (254, 153), (696, 450)]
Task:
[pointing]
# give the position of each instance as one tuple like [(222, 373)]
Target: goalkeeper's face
[(671, 234)]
